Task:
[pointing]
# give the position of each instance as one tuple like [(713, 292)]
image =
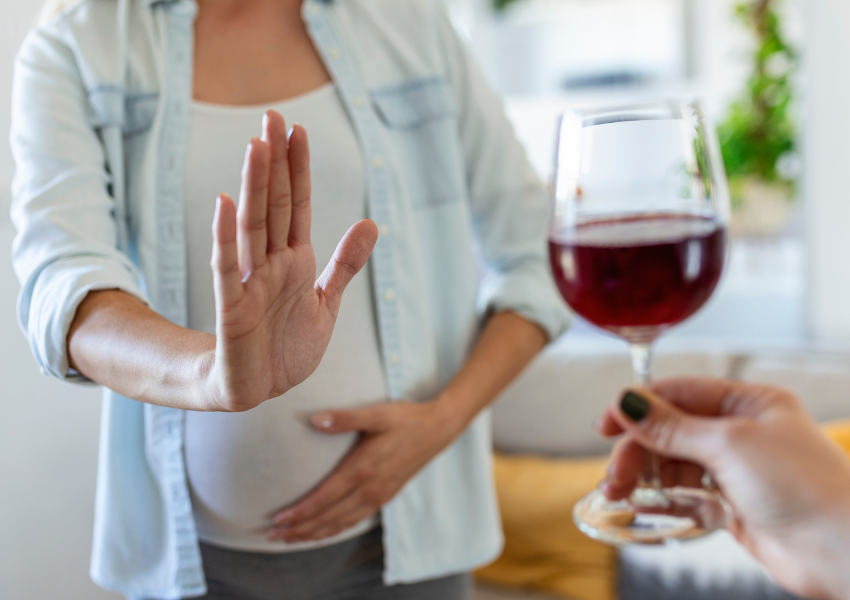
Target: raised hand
[(273, 318)]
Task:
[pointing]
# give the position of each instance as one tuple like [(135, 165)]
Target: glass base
[(652, 516)]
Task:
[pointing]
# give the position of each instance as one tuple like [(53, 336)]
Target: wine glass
[(637, 243)]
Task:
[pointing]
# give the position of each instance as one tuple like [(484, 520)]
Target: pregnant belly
[(244, 467)]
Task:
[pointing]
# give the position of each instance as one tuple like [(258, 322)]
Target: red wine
[(641, 273)]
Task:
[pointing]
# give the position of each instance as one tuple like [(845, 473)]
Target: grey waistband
[(351, 570)]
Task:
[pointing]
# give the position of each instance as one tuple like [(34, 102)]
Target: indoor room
[(477, 142)]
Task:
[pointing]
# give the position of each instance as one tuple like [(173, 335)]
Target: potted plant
[(758, 136)]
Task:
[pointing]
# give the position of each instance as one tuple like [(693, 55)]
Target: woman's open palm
[(273, 318)]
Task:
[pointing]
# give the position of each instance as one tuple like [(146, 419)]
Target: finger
[(338, 485), (627, 460), (253, 207), (682, 473), (227, 278), (299, 169), (280, 189), (739, 531), (355, 517), (713, 397), (345, 513), (607, 425), (370, 418), (695, 395), (350, 256), (659, 426), (705, 396)]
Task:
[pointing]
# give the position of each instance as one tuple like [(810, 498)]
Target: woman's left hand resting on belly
[(397, 439)]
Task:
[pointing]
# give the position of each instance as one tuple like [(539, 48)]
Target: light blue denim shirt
[(99, 128)]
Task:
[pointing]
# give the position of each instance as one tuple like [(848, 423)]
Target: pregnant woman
[(262, 436)]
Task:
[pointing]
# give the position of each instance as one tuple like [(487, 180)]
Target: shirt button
[(358, 101), (393, 358), (384, 229), (389, 295), (334, 52), (377, 162)]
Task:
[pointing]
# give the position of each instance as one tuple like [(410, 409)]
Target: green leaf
[(759, 127)]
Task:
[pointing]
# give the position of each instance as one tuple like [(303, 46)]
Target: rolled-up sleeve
[(509, 203), (66, 243)]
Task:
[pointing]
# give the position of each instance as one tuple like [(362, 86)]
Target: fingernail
[(265, 130), (634, 406), (323, 420)]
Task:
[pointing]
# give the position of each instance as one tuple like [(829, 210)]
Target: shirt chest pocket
[(139, 113), (134, 113), (420, 118)]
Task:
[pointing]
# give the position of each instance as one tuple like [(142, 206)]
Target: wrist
[(450, 414), (832, 541), (817, 547), (207, 396)]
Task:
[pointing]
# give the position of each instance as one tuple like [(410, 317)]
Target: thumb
[(661, 427), (369, 419), (351, 254)]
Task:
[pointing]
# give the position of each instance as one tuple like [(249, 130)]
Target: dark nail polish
[(634, 407)]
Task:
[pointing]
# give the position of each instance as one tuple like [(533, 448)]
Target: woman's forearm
[(506, 346), (120, 343)]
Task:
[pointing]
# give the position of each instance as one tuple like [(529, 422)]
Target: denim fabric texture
[(100, 119)]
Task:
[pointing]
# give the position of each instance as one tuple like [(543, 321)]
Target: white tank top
[(244, 467)]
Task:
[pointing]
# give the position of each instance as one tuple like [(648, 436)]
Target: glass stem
[(650, 479)]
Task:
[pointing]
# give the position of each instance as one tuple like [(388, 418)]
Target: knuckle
[(737, 432), (301, 200), (373, 495), (345, 266), (280, 200), (216, 260), (665, 432), (364, 474), (788, 399), (254, 223)]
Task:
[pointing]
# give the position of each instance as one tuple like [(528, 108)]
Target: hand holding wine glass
[(788, 485), (637, 245)]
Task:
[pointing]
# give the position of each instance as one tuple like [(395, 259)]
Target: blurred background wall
[(788, 285), (48, 430)]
